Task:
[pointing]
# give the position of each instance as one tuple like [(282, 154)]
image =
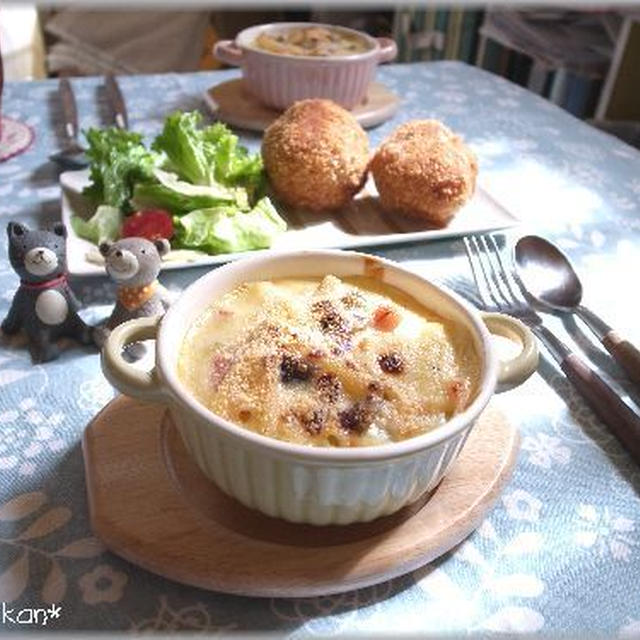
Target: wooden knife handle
[(114, 95), (625, 354), (69, 108), (622, 421)]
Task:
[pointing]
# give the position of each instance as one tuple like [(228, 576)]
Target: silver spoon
[(73, 155), (548, 276)]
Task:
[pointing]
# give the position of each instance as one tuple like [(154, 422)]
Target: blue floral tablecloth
[(561, 549)]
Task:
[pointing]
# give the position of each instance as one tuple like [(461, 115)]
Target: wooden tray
[(150, 504), (230, 102)]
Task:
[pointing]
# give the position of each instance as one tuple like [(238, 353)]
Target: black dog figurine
[(44, 305)]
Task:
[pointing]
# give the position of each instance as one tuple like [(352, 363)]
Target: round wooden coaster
[(150, 504), (232, 103)]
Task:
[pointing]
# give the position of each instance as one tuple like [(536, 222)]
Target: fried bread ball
[(316, 155), (423, 170)]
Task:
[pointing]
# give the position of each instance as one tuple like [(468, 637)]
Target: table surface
[(561, 549)]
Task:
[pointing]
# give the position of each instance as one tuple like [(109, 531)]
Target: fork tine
[(503, 276), (472, 263), (480, 272), (494, 269), (508, 277)]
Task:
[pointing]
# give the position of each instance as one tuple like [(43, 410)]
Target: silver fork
[(500, 290)]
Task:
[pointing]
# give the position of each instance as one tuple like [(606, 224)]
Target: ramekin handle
[(388, 50), (516, 370), (228, 51), (127, 378)]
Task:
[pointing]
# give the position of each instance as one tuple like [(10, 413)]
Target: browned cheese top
[(329, 362)]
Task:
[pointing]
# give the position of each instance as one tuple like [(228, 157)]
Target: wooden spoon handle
[(625, 353), (623, 422)]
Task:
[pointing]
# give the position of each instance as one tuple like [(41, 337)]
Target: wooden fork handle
[(625, 353), (623, 422)]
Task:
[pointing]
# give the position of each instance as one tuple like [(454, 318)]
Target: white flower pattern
[(630, 630), (546, 450), (102, 584), (95, 393), (487, 558), (605, 532), (191, 618), (21, 444), (521, 505)]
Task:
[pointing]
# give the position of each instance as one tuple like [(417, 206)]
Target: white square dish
[(361, 224)]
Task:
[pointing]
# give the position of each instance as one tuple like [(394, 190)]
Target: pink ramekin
[(280, 80)]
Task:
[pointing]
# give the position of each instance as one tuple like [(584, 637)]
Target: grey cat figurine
[(134, 264), (44, 305)]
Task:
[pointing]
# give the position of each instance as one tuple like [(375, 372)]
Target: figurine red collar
[(47, 284)]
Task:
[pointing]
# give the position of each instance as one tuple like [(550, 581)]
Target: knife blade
[(114, 96), (69, 109)]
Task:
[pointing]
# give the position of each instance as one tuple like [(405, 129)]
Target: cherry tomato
[(150, 224)]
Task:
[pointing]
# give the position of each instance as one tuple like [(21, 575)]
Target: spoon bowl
[(549, 279), (548, 275)]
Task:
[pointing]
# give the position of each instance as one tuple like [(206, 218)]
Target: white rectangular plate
[(361, 224)]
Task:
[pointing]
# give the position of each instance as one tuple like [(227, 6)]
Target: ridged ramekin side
[(304, 491), (279, 83)]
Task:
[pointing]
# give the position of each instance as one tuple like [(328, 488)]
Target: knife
[(69, 110), (72, 156), (114, 96)]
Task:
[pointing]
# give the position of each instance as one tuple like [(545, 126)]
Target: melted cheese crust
[(329, 362)]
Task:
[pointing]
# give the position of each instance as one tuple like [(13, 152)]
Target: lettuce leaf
[(224, 229), (103, 225), (181, 197), (208, 155), (118, 160), (211, 184)]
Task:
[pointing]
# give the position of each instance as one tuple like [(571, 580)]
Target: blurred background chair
[(23, 53), (583, 61)]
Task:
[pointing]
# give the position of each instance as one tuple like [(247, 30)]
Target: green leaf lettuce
[(208, 155), (118, 160), (103, 225), (180, 197), (224, 229)]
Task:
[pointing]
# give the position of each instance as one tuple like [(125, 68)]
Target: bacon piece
[(458, 393), (218, 370), (385, 318)]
